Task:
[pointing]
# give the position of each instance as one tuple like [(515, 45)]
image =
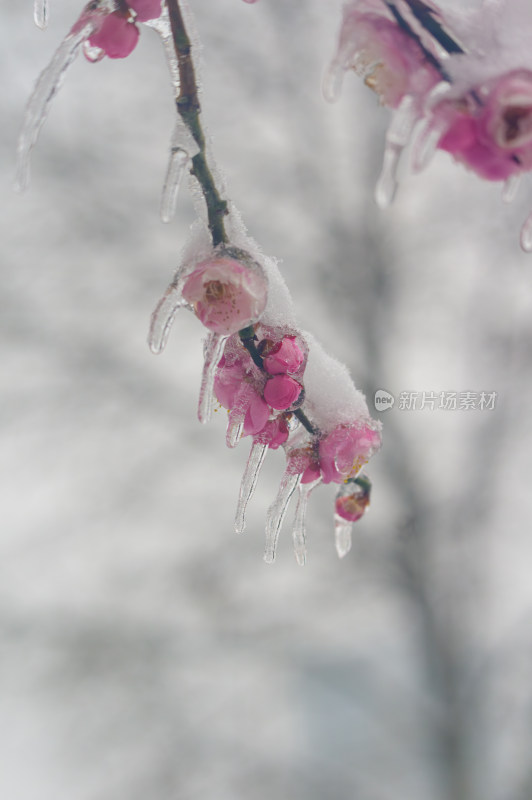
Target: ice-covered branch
[(279, 386), (188, 108)]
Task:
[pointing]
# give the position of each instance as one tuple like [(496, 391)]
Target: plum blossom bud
[(226, 294), (285, 356), (116, 36), (353, 498), (281, 391)]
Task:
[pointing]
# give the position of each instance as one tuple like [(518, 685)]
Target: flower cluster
[(112, 26), (434, 69), (257, 372)]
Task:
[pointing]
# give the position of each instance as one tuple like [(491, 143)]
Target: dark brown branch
[(189, 109)]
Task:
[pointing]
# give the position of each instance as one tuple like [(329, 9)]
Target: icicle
[(397, 137), (299, 532), (163, 317), (352, 502), (213, 350), (426, 143), (342, 536), (234, 428), (333, 79), (46, 88), (40, 13), (177, 163), (387, 183), (276, 513), (526, 234), (510, 188), (256, 458)]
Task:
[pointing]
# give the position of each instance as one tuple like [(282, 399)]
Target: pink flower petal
[(116, 36)]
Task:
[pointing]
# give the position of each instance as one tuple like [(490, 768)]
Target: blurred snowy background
[(146, 651)]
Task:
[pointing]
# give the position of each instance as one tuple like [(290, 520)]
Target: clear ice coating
[(510, 188), (250, 477), (397, 137), (163, 28), (212, 353), (526, 234), (276, 512), (333, 78), (177, 163), (163, 317), (46, 88), (342, 536), (299, 536), (40, 13)]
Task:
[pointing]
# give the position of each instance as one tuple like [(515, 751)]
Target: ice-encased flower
[(338, 455), (352, 499), (492, 137), (284, 356), (392, 63), (345, 450), (236, 390), (226, 294)]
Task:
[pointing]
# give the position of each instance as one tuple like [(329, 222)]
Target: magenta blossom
[(281, 392), (285, 356), (494, 138), (226, 294), (115, 34)]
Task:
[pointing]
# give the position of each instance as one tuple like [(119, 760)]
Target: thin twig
[(189, 109)]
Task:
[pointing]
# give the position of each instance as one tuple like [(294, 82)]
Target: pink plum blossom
[(236, 391), (390, 61), (343, 451), (226, 294), (494, 139), (282, 391), (285, 356)]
